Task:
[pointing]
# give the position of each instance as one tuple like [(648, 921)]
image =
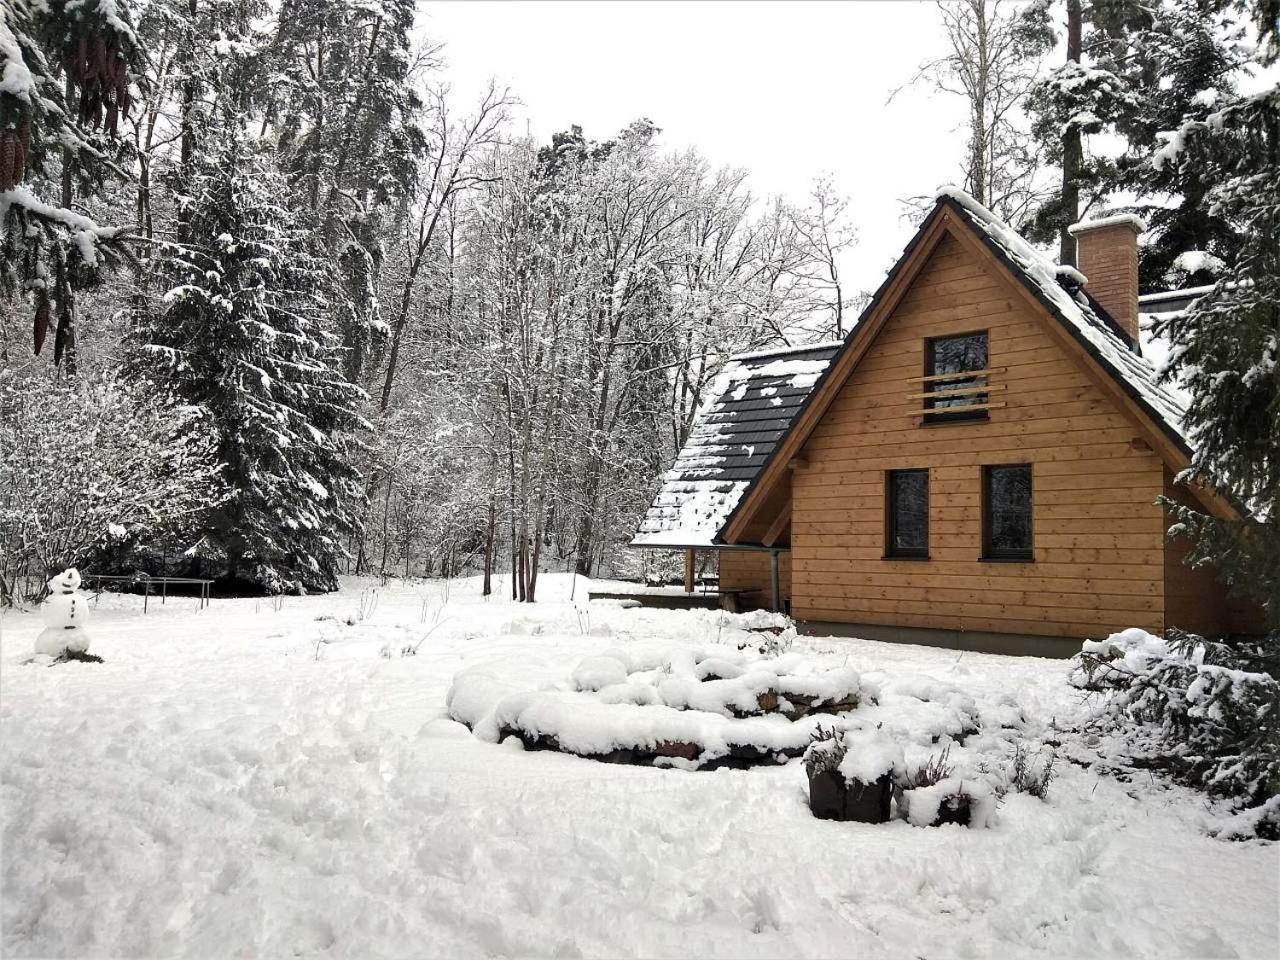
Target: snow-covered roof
[(753, 402), (1080, 314), (1170, 301)]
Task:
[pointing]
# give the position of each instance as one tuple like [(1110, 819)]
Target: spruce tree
[(1226, 347), (1180, 59), (240, 336), (64, 85)]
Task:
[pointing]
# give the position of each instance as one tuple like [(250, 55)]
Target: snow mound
[(596, 673), (871, 754)]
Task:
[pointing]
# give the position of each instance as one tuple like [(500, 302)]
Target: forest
[(276, 304)]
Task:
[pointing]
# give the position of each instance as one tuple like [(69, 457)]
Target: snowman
[(65, 613)]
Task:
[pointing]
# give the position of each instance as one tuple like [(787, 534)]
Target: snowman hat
[(68, 581)]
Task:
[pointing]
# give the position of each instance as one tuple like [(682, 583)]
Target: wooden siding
[(1196, 600), (749, 570), (1098, 533)]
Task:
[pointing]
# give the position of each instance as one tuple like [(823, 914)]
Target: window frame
[(890, 516), (959, 414), (1005, 554)]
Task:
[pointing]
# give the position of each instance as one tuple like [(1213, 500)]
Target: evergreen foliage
[(47, 249), (240, 336), (1207, 711), (346, 113), (1226, 347)]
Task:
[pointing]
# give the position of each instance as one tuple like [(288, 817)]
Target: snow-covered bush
[(1209, 710), (1027, 770), (90, 462), (934, 770)]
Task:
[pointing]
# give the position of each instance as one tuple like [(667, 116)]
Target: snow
[(229, 783), (639, 699), (802, 373), (85, 233), (1193, 261), (783, 351), (1115, 220), (869, 755), (16, 79)]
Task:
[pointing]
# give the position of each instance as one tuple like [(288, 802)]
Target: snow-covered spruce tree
[(1179, 60), (55, 132), (1212, 707), (1226, 347), (240, 336)]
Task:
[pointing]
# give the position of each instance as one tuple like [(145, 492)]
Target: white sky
[(786, 90)]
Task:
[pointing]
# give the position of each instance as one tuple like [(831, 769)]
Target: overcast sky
[(787, 90)]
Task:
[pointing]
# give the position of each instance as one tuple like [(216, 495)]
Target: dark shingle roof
[(753, 403)]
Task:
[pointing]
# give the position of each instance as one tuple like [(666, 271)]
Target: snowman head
[(68, 581)]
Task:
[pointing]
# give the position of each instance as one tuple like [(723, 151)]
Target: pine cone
[(41, 330), (63, 336), (8, 160)]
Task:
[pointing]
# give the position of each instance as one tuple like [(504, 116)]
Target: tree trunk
[(489, 537), (1072, 151)]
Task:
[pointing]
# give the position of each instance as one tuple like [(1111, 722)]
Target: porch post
[(688, 571), (773, 581)]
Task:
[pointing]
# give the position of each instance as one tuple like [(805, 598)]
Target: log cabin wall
[(749, 570), (1099, 562), (1195, 600)]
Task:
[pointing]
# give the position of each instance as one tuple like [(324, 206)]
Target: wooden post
[(688, 571)]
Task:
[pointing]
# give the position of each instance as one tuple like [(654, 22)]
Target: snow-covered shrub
[(1032, 772), (826, 752), (934, 770), (90, 462), (1026, 771), (1209, 710)]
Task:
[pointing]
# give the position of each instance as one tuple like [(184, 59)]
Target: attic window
[(956, 379)]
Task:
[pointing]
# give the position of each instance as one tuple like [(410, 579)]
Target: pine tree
[(1226, 347), (1078, 99), (345, 110), (240, 337)]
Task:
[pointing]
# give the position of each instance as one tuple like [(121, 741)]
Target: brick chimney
[(1107, 254)]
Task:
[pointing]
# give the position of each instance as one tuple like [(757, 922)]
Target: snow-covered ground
[(228, 784)]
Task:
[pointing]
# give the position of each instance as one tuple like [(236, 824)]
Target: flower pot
[(832, 797)]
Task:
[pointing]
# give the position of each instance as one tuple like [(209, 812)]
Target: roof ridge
[(783, 351)]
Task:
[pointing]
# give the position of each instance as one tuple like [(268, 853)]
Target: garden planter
[(832, 797), (967, 803)]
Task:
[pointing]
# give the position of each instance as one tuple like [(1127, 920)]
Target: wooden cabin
[(977, 465)]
